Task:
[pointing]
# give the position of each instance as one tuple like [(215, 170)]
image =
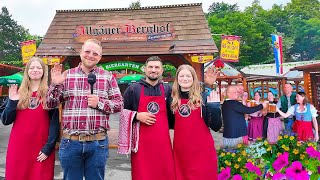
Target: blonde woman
[(194, 152), (30, 153)]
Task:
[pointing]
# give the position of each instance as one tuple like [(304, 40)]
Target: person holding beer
[(274, 123), (255, 126)]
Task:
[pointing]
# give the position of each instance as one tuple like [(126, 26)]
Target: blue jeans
[(289, 124), (83, 159)]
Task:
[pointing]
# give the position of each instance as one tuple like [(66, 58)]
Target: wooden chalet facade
[(175, 33)]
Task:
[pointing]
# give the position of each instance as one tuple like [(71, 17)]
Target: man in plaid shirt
[(84, 145)]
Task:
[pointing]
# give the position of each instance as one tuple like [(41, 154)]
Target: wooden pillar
[(198, 67), (262, 89), (244, 83), (307, 85), (279, 89), (253, 90), (219, 84), (1, 90)]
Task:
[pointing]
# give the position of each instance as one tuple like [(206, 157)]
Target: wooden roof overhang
[(309, 72), (192, 35), (6, 70)]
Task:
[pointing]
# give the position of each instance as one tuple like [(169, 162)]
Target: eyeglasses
[(93, 53)]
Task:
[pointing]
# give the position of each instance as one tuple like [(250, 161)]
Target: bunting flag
[(277, 50)]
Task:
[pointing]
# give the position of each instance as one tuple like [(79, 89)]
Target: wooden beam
[(307, 85)]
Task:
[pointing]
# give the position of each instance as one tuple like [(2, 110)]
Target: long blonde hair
[(195, 99), (25, 90)]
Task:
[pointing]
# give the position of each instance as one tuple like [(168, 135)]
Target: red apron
[(195, 156), (28, 135), (303, 130), (154, 159)]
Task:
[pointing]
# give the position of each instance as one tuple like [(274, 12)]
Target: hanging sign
[(28, 49), (230, 47), (201, 59), (121, 65), (124, 30)]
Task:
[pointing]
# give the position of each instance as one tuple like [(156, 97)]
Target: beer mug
[(272, 108), (252, 103)]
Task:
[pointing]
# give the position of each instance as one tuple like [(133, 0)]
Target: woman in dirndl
[(306, 115), (255, 126), (274, 123)]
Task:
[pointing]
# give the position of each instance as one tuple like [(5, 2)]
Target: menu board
[(315, 85)]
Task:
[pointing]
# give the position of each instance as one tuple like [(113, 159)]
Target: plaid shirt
[(77, 116)]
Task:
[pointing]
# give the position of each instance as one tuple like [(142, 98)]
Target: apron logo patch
[(153, 107), (184, 110), (34, 103)]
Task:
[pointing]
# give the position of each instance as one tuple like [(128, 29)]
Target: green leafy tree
[(304, 28), (11, 34), (136, 4)]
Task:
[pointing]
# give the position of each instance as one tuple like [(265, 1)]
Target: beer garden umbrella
[(130, 78), (12, 79)]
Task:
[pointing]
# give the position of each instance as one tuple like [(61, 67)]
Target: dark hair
[(303, 94), (257, 92), (153, 58)]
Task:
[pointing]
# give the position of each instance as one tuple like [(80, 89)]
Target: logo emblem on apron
[(184, 110), (153, 107), (34, 103)]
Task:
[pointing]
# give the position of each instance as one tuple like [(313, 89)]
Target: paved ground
[(118, 166)]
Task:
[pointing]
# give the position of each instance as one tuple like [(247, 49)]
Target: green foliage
[(136, 4), (297, 22), (11, 34)]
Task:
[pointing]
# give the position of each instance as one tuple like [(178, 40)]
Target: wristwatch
[(100, 105)]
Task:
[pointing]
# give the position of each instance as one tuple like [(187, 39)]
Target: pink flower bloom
[(279, 176), (295, 171), (225, 174), (281, 162), (237, 177), (253, 168), (312, 152)]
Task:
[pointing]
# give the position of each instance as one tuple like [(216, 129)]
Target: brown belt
[(85, 137)]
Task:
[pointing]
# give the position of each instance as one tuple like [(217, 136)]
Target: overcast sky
[(36, 15)]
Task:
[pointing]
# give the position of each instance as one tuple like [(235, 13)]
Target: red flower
[(218, 63)]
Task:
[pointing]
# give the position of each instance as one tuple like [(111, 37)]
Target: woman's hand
[(316, 137), (214, 96), (13, 92), (41, 157)]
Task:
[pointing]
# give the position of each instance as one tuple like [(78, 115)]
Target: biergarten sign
[(230, 47), (124, 30), (120, 65)]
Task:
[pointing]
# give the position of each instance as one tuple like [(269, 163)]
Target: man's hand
[(93, 101), (210, 76), (146, 118), (13, 92), (57, 77)]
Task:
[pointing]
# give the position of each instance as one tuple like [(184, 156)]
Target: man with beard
[(84, 145), (145, 123), (287, 100), (147, 98)]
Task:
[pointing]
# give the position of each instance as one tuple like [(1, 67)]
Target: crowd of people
[(148, 109)]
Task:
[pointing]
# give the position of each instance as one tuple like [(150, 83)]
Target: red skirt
[(303, 130)]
